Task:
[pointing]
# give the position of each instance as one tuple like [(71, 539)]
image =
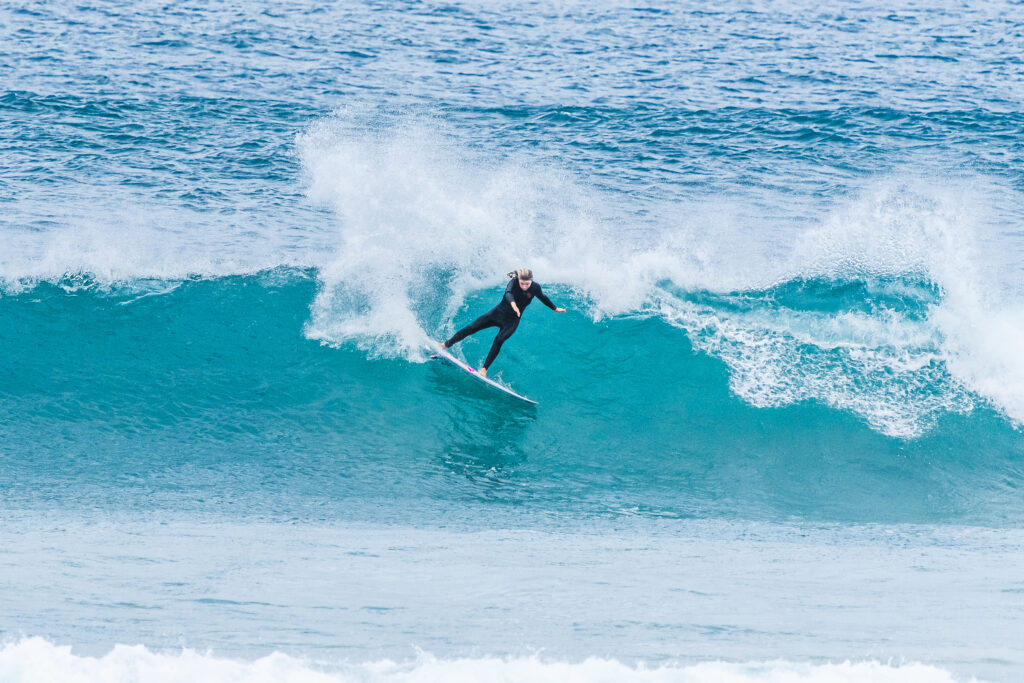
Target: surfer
[(519, 292)]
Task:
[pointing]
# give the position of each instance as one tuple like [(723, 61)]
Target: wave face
[(708, 404)]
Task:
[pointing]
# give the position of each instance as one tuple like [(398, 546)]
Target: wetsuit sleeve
[(508, 291), (542, 297)]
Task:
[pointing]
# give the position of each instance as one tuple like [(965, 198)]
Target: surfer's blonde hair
[(522, 274)]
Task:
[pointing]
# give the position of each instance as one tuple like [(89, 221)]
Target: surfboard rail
[(439, 352)]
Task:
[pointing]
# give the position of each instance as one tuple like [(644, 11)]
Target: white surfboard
[(443, 354)]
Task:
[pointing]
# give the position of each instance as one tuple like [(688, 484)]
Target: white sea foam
[(114, 238), (418, 216), (776, 358), (35, 659), (943, 235), (899, 370)]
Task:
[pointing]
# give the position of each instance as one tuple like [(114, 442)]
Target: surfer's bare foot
[(483, 372)]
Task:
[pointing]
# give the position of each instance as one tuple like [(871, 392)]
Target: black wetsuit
[(502, 316)]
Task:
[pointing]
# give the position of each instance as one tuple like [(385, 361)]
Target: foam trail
[(34, 659)]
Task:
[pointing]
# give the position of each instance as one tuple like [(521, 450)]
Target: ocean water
[(779, 428)]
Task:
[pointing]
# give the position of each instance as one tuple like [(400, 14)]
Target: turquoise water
[(789, 241), (633, 417)]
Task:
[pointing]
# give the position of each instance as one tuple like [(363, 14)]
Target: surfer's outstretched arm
[(539, 293)]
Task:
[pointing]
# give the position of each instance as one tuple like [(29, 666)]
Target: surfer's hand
[(559, 310), (516, 309)]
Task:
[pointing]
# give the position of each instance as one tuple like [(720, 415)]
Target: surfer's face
[(525, 284)]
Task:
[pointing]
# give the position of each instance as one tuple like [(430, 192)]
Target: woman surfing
[(519, 292)]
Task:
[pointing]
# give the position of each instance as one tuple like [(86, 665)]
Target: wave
[(422, 225), (868, 347), (33, 659), (899, 304), (637, 416)]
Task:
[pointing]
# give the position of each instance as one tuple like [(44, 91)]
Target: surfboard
[(443, 354)]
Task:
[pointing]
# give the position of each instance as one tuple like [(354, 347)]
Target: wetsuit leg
[(486, 320), (504, 333)]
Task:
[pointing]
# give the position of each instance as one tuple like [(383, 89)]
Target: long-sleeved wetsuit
[(503, 317)]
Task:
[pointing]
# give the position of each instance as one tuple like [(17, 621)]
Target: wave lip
[(867, 347), (34, 658)]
